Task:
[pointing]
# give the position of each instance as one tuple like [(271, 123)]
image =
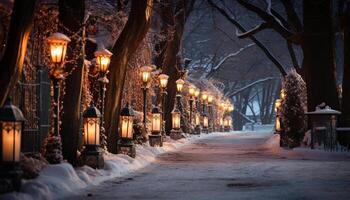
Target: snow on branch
[(231, 94), (273, 21), (252, 31)]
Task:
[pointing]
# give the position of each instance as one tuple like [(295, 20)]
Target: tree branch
[(252, 31), (254, 39), (230, 95)]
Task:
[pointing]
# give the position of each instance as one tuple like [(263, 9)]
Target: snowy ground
[(237, 165), (234, 166), (59, 181)]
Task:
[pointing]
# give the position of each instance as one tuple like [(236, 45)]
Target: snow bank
[(58, 181)]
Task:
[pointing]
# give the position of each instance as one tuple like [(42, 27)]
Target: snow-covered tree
[(53, 149), (293, 108)]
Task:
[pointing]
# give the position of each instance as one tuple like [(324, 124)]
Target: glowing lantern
[(283, 94), (205, 121), (179, 85), (176, 119), (221, 122), (210, 99), (11, 122), (103, 58), (163, 80), (92, 122), (197, 92), (156, 120), (146, 73), (58, 47), (192, 90), (126, 122), (204, 96), (197, 119), (278, 124)]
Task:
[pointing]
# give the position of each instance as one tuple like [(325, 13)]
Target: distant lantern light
[(163, 80), (58, 47), (146, 73), (156, 120), (198, 119), (204, 96), (221, 122), (210, 99), (179, 85), (231, 108), (11, 122), (192, 90), (92, 124), (278, 124), (283, 94), (103, 59), (197, 92), (126, 122), (176, 119), (205, 121)]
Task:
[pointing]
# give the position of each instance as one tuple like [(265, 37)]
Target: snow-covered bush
[(293, 109)]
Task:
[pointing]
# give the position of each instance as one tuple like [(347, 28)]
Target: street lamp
[(92, 155), (125, 143), (11, 123), (191, 91), (205, 122), (163, 82), (103, 59), (58, 46), (156, 138), (227, 123), (210, 112), (146, 77), (176, 132), (179, 85), (197, 115)]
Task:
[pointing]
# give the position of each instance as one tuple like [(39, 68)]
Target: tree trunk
[(345, 117), (130, 38), (319, 63), (71, 16), (11, 65)]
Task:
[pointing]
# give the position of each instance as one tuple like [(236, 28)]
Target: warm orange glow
[(11, 141), (126, 127), (92, 131), (210, 99), (278, 124), (156, 122), (179, 85), (204, 96), (192, 90), (221, 122), (146, 73), (197, 119), (163, 80), (58, 47), (283, 94), (103, 59), (278, 104), (197, 92), (176, 120), (205, 121)]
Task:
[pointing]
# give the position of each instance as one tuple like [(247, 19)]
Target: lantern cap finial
[(10, 112), (156, 109), (58, 37), (127, 110), (102, 51), (92, 111)]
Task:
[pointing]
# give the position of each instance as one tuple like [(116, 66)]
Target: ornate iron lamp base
[(176, 134), (126, 147), (10, 177), (92, 156), (155, 140)]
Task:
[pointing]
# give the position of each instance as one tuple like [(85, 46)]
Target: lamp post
[(204, 111), (163, 82), (146, 77), (92, 155), (197, 128), (191, 91), (58, 46), (179, 86), (11, 123), (176, 132), (210, 113), (103, 59), (126, 134), (155, 139)]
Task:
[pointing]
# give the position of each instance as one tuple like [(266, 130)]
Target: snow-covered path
[(235, 166)]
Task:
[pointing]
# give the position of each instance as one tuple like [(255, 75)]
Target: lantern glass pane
[(197, 120), (278, 124), (156, 122), (146, 76), (92, 131), (205, 121), (58, 51), (163, 82), (11, 141), (176, 120), (179, 87), (103, 63), (126, 127)]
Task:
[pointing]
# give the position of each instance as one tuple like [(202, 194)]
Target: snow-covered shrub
[(293, 109), (53, 149)]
